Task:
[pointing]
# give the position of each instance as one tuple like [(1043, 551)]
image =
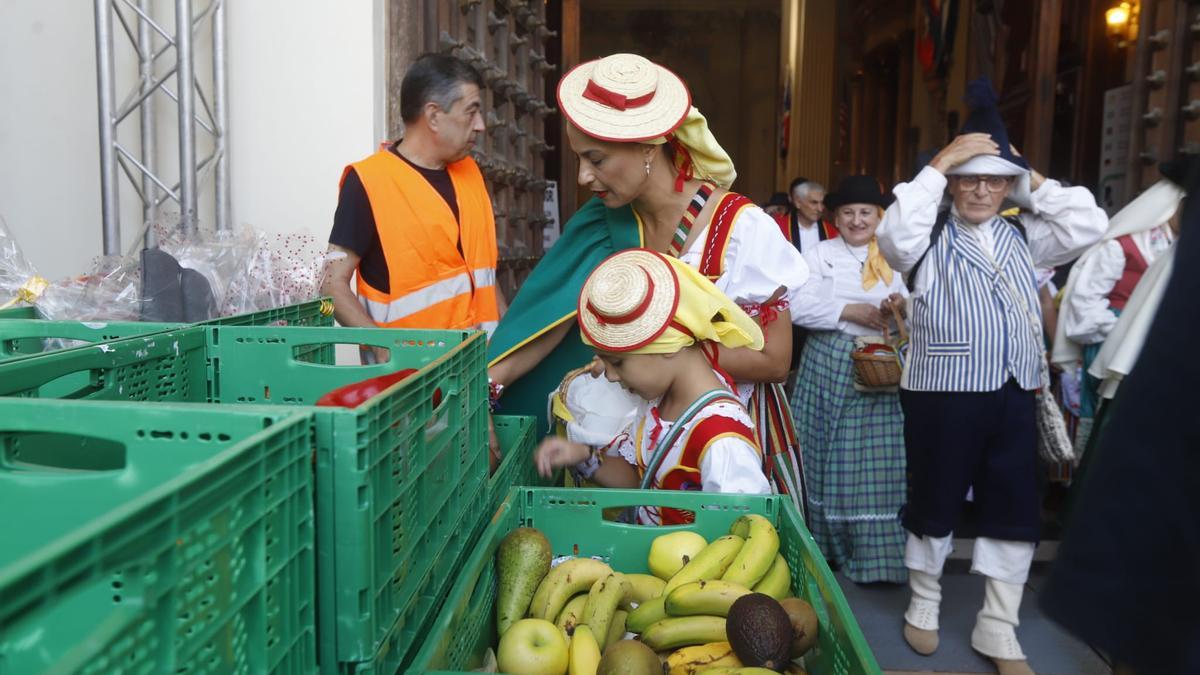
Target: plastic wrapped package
[(19, 281), (247, 270)]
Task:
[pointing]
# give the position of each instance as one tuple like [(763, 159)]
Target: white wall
[(305, 92)]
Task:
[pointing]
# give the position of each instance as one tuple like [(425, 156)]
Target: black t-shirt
[(354, 222)]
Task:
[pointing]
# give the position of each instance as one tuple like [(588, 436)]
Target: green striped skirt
[(853, 445)]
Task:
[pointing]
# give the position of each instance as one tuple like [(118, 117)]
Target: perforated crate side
[(208, 570), (168, 366), (20, 338)]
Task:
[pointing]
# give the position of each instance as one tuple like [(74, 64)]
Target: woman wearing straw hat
[(659, 180), (656, 324), (852, 437)]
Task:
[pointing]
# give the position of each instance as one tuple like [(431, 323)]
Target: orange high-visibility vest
[(432, 284)]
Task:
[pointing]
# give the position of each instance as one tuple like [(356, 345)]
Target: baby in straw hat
[(655, 323)]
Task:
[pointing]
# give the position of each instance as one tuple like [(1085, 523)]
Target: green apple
[(670, 552), (533, 647)]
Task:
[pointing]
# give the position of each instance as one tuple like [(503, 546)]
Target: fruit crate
[(516, 469), (387, 472), (26, 333), (155, 539), (573, 521)]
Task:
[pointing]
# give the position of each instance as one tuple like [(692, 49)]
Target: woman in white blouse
[(852, 439)]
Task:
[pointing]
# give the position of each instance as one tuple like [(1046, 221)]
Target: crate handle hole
[(60, 453), (625, 514), (304, 353)]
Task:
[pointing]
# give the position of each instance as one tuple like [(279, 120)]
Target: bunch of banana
[(572, 577)]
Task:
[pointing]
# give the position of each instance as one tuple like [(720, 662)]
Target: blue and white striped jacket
[(968, 332)]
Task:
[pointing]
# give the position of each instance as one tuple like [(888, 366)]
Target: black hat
[(1181, 170), (858, 190), (778, 199), (984, 117)]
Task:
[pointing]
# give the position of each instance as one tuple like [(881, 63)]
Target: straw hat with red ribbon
[(625, 98), (641, 301)]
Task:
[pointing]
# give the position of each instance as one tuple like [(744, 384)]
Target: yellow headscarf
[(703, 312), (701, 157)]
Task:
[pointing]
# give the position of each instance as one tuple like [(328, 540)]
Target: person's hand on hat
[(1035, 179), (962, 148)]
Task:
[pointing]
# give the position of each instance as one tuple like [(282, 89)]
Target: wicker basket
[(879, 365)]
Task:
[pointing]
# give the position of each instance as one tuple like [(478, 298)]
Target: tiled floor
[(879, 609)]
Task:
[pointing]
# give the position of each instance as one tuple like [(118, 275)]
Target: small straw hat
[(623, 98), (628, 300)]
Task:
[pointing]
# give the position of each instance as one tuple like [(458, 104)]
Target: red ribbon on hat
[(634, 313), (685, 172), (610, 98)]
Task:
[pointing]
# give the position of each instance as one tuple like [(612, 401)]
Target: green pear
[(522, 560)]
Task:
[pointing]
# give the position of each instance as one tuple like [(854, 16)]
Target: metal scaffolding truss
[(136, 18)]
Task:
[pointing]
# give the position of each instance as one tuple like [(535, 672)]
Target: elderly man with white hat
[(975, 359)]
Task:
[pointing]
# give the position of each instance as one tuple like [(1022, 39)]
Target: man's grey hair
[(802, 190), (437, 78)]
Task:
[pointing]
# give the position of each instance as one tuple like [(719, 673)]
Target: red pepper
[(355, 394)]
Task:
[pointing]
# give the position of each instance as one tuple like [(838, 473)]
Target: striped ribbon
[(689, 218), (782, 460)]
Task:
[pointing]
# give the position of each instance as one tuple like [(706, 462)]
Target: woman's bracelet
[(588, 467), (495, 390)]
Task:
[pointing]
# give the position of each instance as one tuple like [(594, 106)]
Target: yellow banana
[(571, 614), (571, 577), (602, 604), (642, 587), (710, 563), (739, 671), (616, 629), (583, 656), (757, 555), (690, 660), (681, 631), (646, 613), (712, 597), (778, 581)]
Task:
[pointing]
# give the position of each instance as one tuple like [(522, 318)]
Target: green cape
[(549, 296)]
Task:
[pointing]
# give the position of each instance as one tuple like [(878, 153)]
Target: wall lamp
[(1122, 22)]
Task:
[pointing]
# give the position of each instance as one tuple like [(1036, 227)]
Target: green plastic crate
[(572, 520), (20, 312), (24, 337), (155, 539), (26, 333), (384, 469), (313, 313), (516, 469)]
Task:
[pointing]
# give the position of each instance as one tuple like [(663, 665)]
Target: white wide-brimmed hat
[(623, 98), (628, 300)]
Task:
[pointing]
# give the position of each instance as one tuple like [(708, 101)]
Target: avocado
[(759, 631), (522, 560), (804, 625), (629, 657)]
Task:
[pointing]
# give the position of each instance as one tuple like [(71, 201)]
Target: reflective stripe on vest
[(441, 270), (400, 312)]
